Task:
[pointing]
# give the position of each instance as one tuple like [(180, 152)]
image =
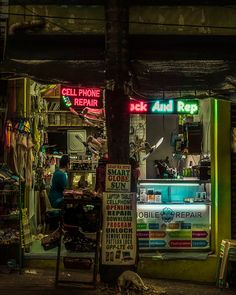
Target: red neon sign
[(85, 102), (81, 92), (68, 91), (89, 92), (138, 107), (81, 97)]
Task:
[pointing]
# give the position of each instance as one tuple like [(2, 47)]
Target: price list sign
[(119, 229)]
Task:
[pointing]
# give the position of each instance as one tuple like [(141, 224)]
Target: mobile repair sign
[(118, 178)]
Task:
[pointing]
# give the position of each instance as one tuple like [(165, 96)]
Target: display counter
[(174, 214)]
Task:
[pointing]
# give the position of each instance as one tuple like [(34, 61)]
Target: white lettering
[(163, 107)]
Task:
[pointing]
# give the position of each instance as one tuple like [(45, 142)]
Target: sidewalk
[(41, 282)]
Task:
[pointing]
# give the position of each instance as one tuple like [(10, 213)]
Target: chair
[(52, 216), (227, 254)]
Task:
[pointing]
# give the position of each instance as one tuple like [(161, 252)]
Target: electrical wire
[(49, 21), (55, 17), (130, 22)]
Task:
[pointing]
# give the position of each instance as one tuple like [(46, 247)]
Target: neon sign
[(140, 107), (83, 92), (162, 107), (80, 97), (185, 107)]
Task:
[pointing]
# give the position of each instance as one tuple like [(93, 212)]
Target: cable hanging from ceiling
[(130, 22)]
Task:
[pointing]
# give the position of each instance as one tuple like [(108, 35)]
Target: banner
[(173, 226), (118, 177), (119, 229)]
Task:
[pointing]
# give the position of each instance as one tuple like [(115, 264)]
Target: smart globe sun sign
[(167, 106)]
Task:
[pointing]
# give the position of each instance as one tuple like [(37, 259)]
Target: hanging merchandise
[(94, 145), (18, 139), (26, 238), (151, 149), (97, 115), (29, 162), (94, 117), (21, 150), (10, 146), (14, 153), (8, 132), (36, 134)]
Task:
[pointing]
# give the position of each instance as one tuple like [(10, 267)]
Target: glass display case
[(174, 214)]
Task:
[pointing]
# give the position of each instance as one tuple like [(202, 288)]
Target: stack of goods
[(7, 178), (9, 236), (77, 242), (52, 240)]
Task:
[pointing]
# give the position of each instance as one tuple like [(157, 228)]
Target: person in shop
[(59, 183), (101, 174), (135, 173)]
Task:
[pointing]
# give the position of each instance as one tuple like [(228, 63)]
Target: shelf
[(189, 180), (9, 217), (8, 191), (81, 171), (11, 224), (82, 161), (175, 203), (51, 98), (54, 156), (9, 244), (78, 254), (59, 112), (65, 127)]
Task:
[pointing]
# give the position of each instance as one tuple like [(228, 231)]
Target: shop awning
[(206, 64), (207, 77)]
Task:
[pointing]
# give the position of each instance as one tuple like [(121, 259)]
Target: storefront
[(75, 127), (183, 194), (183, 202), (39, 129)]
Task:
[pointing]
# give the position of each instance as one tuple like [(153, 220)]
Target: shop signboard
[(118, 177), (80, 97), (167, 106), (175, 226), (119, 229)]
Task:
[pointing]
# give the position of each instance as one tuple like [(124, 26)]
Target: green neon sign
[(184, 107), (173, 106), (162, 106)]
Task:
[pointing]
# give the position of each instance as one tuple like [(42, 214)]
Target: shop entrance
[(174, 196)]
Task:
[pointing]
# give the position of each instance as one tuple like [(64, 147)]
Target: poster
[(119, 229), (165, 226), (118, 177)]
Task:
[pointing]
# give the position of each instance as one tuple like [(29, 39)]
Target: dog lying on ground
[(130, 279)]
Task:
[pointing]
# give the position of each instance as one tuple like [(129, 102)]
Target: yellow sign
[(118, 178)]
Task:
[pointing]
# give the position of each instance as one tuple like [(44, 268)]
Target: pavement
[(42, 282)]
